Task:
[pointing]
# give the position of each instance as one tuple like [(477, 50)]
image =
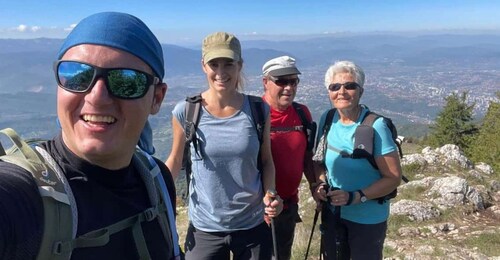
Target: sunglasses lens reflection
[(122, 83)]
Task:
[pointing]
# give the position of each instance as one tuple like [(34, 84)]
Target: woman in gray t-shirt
[(226, 191)]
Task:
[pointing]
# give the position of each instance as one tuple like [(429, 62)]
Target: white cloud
[(35, 28), (21, 28), (71, 27)]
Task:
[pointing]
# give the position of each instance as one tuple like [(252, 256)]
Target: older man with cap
[(109, 73), (291, 129)]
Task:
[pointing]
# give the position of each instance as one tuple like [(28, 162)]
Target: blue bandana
[(121, 31), (127, 33)]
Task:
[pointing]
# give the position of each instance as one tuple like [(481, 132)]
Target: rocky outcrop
[(447, 182)]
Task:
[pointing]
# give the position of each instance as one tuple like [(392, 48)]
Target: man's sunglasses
[(79, 77), (348, 85), (285, 82)]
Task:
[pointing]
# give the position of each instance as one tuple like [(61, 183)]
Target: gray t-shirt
[(225, 192)]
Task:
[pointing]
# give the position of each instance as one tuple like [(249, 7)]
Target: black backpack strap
[(301, 113), (329, 120), (259, 121), (192, 118), (309, 127)]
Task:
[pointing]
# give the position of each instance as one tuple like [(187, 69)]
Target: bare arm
[(267, 159), (390, 169), (273, 208), (174, 161)]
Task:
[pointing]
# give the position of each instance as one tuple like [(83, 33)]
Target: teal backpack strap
[(58, 202)]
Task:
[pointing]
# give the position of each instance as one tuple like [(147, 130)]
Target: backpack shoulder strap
[(164, 188), (329, 120), (60, 213), (192, 117), (259, 119), (161, 208), (301, 113), (309, 127), (370, 118)]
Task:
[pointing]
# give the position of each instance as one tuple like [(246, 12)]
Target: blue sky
[(177, 21)]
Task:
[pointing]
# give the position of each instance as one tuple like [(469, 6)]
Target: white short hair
[(345, 66)]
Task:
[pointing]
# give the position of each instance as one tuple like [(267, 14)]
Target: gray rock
[(415, 210), (485, 168), (450, 191)]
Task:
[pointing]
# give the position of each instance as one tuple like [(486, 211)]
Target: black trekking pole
[(316, 214), (340, 232), (338, 246), (272, 196)]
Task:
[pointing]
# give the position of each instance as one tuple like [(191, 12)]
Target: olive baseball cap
[(221, 45)]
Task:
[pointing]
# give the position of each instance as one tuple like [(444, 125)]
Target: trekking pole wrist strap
[(350, 199)]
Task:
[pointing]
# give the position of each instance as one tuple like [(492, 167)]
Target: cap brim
[(221, 54), (283, 72)]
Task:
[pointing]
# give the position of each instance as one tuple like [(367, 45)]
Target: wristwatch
[(362, 197)]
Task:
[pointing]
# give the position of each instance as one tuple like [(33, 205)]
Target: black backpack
[(192, 118), (363, 142)]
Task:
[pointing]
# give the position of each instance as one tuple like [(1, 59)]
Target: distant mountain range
[(407, 76), (26, 65)]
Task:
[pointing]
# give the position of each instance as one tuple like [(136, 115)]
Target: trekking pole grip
[(271, 193)]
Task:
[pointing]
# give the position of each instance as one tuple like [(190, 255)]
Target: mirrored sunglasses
[(124, 83), (348, 85)]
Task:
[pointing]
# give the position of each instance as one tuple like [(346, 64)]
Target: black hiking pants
[(344, 239)]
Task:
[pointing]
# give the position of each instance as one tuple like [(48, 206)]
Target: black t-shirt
[(103, 197)]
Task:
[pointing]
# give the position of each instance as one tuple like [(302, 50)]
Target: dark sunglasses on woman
[(348, 85), (124, 83)]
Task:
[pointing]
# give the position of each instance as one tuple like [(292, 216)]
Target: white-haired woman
[(354, 221)]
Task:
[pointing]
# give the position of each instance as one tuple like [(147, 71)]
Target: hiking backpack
[(192, 119), (363, 142), (60, 210)]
